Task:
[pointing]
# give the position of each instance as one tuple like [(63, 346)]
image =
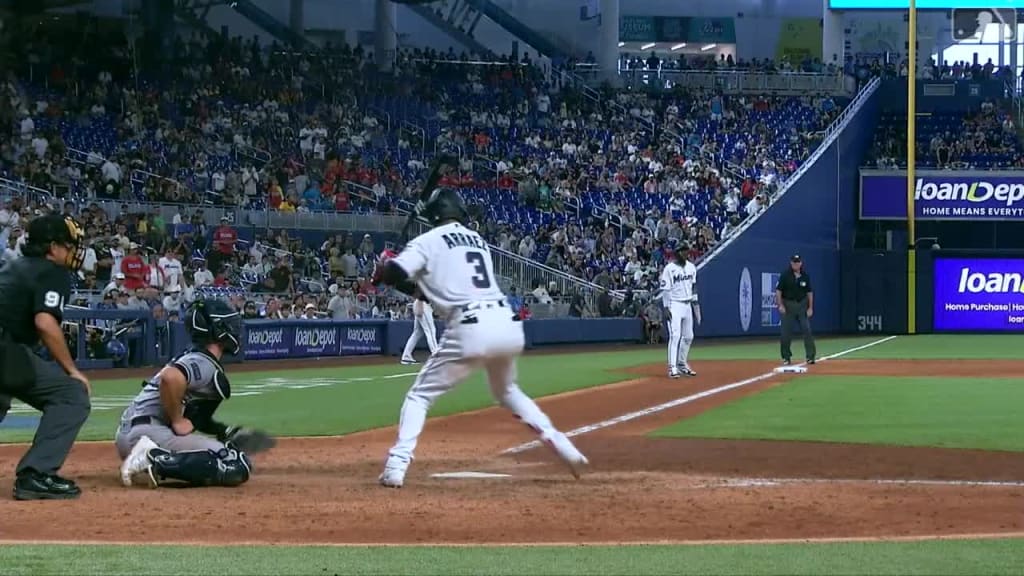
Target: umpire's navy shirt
[(792, 287)]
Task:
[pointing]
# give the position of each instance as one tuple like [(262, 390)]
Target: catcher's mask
[(45, 231), (212, 321)]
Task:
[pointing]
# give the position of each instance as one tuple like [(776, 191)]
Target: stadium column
[(832, 41), (911, 167), (608, 48), (385, 35), (297, 16)]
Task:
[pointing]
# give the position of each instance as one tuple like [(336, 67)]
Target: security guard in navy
[(794, 297), (33, 290)]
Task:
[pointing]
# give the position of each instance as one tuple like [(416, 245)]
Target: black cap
[(795, 258), (52, 228)]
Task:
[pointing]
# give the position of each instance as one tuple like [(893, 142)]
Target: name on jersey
[(315, 337), (266, 337), (677, 278), (457, 239)]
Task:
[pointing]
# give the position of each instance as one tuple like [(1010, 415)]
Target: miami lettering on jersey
[(677, 282)]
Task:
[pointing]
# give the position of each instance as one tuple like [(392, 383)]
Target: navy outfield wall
[(270, 339), (815, 218)]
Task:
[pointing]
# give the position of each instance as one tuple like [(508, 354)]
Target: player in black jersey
[(33, 291)]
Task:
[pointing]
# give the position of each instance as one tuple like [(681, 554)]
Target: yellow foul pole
[(911, 161)]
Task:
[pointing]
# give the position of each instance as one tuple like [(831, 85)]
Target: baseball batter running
[(168, 431), (677, 289), (452, 266), (422, 325)]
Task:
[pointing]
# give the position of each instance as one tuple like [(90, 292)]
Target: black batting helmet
[(56, 229), (444, 204), (213, 321)]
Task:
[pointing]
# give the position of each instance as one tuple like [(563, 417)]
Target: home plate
[(469, 475), (791, 369)]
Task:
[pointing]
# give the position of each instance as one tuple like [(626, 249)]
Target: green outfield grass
[(944, 412), (976, 413), (951, 558), (342, 400), (945, 347)]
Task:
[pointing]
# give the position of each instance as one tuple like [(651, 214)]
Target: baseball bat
[(436, 172)]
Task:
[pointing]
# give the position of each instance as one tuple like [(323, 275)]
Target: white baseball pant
[(422, 325), (680, 333), (484, 336)]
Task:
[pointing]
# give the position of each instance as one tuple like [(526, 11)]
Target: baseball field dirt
[(640, 489)]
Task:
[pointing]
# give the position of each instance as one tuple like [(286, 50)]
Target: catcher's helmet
[(54, 228), (213, 321), (444, 204)]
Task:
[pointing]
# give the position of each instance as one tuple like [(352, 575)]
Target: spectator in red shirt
[(224, 238), (134, 268)]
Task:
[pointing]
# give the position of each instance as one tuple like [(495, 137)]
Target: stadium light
[(678, 46), (708, 47), (646, 46), (621, 44)]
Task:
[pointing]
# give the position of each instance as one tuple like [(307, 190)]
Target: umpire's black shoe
[(38, 486)]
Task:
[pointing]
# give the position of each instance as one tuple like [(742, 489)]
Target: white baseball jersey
[(677, 282), (452, 266)]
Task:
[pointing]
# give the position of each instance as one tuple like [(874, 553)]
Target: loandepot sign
[(943, 196)]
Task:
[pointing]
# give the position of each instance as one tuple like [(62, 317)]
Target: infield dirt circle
[(640, 489)]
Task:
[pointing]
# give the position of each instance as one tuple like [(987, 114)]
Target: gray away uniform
[(207, 388)]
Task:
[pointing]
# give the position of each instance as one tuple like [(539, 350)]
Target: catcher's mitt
[(249, 440)]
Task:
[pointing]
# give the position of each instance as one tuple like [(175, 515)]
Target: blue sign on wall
[(943, 195), (978, 294)]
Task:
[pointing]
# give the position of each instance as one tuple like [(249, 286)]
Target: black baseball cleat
[(786, 362), (38, 486), (812, 361)]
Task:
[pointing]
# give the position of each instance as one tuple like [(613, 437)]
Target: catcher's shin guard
[(227, 467)]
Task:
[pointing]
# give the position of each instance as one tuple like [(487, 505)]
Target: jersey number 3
[(480, 279)]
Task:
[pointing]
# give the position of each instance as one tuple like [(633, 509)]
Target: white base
[(469, 475), (791, 369)]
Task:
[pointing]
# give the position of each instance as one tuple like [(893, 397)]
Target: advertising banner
[(362, 339), (314, 340), (799, 40), (943, 195), (263, 343), (980, 294), (677, 29)]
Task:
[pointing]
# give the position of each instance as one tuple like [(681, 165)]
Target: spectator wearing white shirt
[(217, 180), (116, 283), (172, 299), (203, 276), (111, 172), (172, 268), (754, 206), (40, 145), (27, 128), (88, 262)]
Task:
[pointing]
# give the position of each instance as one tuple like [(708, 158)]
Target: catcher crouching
[(168, 432)]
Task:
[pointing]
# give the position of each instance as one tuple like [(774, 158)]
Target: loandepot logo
[(993, 283), (980, 191)]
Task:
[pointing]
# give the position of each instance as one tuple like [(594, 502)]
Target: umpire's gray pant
[(65, 406), (796, 313)]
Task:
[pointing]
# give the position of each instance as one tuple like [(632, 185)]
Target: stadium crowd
[(591, 185)]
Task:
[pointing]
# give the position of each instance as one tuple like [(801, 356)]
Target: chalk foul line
[(687, 399)]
